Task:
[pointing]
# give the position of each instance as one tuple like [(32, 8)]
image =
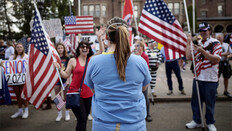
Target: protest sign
[(53, 27), (15, 71)]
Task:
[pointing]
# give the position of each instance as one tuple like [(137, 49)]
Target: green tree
[(190, 15)]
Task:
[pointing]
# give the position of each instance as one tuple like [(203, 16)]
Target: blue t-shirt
[(115, 100)]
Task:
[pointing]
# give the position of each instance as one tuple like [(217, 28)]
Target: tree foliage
[(21, 13)]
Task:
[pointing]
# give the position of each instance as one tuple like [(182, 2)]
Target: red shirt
[(145, 57), (76, 82)]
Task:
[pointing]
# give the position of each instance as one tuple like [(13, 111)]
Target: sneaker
[(182, 92), (153, 94), (148, 118), (90, 118), (170, 92), (58, 118), (25, 114), (67, 116), (17, 114), (211, 127), (192, 125), (227, 94)]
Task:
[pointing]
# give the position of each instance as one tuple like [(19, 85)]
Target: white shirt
[(225, 48), (206, 71), (9, 52), (19, 57)]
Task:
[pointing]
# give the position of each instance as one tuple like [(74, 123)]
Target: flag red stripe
[(35, 55), (40, 64), (79, 25), (79, 32), (45, 86), (84, 21), (31, 66), (43, 75), (84, 16), (88, 28), (160, 41), (164, 29)]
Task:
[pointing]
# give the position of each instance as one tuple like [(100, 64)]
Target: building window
[(170, 6), (136, 11), (203, 14), (219, 10), (203, 2), (91, 10), (103, 10), (85, 10), (97, 10), (176, 8)]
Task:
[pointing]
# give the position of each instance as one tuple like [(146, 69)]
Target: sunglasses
[(137, 45), (84, 46)]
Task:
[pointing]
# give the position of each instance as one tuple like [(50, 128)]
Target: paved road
[(166, 117)]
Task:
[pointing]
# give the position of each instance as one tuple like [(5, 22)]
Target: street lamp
[(40, 4)]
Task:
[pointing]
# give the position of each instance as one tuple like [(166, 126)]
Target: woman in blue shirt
[(118, 79)]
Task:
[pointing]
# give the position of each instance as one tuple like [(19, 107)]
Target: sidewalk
[(161, 88)]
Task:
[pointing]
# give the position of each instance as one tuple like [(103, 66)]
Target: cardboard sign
[(15, 71), (53, 27)]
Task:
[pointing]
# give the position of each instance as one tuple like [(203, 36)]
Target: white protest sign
[(53, 27), (15, 71)]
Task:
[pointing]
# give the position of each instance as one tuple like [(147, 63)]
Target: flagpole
[(49, 45), (79, 7), (193, 16), (136, 25), (197, 86)]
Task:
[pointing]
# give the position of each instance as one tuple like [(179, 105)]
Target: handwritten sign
[(15, 71)]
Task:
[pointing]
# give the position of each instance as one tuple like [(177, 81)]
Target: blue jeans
[(173, 65), (207, 92)]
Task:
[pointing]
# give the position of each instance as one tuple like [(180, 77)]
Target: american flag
[(12, 93), (59, 102), (127, 16), (74, 43), (158, 23), (41, 74), (78, 24)]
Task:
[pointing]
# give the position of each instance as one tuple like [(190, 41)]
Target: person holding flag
[(76, 67), (207, 55)]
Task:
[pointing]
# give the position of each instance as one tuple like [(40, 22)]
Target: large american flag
[(41, 74), (78, 24), (158, 23)]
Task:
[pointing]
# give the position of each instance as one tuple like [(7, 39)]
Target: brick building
[(217, 13), (104, 10)]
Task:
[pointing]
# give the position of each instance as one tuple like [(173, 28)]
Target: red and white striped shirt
[(206, 71)]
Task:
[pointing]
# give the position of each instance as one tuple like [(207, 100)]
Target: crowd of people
[(118, 77)]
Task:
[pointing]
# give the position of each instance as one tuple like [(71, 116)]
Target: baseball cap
[(204, 26)]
